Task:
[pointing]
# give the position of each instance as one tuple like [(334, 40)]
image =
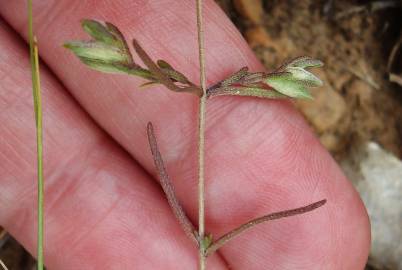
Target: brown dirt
[(360, 49), (358, 102)]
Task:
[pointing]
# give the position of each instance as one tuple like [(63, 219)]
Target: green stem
[(39, 137), (201, 140)]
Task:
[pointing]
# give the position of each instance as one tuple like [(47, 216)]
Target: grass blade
[(39, 137)]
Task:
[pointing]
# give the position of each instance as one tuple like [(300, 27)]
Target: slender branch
[(168, 188), (201, 139), (39, 137), (287, 213)]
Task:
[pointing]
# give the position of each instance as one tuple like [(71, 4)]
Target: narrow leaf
[(159, 75), (162, 78), (235, 77), (148, 84), (172, 73), (246, 92), (252, 78), (167, 187), (177, 76), (278, 215), (301, 62), (122, 42), (163, 64)]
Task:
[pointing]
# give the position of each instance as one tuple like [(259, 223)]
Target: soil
[(360, 43), (354, 39)]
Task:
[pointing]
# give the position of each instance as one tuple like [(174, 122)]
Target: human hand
[(104, 209)]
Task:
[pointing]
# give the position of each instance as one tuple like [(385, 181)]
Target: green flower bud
[(293, 80), (286, 84), (107, 51)]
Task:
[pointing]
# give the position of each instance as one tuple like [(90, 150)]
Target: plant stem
[(39, 138), (201, 140)]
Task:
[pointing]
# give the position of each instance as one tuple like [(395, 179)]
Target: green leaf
[(286, 84)]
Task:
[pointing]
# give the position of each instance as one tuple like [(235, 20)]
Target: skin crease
[(104, 209)]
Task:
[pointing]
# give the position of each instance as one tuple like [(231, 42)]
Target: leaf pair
[(208, 242), (289, 81), (108, 51)]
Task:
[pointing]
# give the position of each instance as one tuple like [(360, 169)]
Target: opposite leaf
[(289, 81)]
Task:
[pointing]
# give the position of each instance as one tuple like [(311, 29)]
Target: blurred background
[(357, 115)]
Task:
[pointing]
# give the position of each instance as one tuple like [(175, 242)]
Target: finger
[(260, 155), (101, 210)]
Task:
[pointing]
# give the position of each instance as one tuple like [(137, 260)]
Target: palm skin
[(104, 208)]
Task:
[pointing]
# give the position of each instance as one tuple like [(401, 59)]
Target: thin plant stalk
[(201, 140), (291, 80), (39, 137), (3, 265)]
